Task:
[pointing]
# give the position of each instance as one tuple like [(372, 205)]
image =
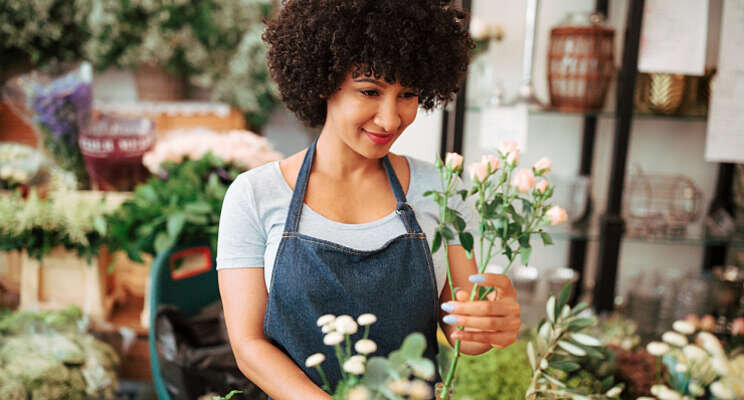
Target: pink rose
[(524, 180), (542, 186), (543, 165), (492, 161), (453, 161), (737, 327), (693, 319), (707, 323), (556, 215), (510, 151), (478, 171)]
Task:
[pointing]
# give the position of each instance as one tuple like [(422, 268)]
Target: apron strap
[(403, 208), (298, 194)]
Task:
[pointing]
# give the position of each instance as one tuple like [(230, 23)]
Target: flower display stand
[(62, 278), (131, 281)]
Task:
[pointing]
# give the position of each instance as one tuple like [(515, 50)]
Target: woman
[(342, 227)]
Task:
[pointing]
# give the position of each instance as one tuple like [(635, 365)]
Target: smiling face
[(369, 115)]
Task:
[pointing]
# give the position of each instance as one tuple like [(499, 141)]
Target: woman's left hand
[(494, 321)]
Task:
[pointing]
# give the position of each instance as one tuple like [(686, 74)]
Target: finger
[(462, 295), (501, 339), (497, 308), (499, 282), (485, 323)]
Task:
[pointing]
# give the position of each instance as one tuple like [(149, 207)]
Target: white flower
[(419, 390), (684, 327), (614, 392), (326, 328), (326, 319), (694, 353), (333, 339), (358, 393), (315, 359), (366, 319), (358, 358), (681, 368), (479, 29), (399, 387), (657, 348), (365, 346), (345, 324), (674, 338), (710, 343), (722, 391), (665, 393), (354, 366), (696, 389), (720, 365)]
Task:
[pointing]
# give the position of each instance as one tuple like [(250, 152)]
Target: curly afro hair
[(314, 44)]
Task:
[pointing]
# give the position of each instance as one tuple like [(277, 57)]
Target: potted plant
[(209, 44)]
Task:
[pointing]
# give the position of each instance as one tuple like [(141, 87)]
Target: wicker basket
[(580, 65), (155, 84)]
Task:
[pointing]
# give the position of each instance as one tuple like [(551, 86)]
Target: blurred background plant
[(50, 355), (214, 45)]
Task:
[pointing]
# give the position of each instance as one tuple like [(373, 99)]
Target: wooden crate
[(61, 279), (10, 271)]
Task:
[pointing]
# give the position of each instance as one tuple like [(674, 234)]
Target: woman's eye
[(410, 95), (369, 92)]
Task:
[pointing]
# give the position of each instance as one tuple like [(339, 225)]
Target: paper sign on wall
[(725, 136), (504, 123), (673, 36)]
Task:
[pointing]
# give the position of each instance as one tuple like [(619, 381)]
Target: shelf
[(590, 232), (603, 114)]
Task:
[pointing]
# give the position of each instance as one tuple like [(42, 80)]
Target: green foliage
[(184, 208), (64, 218), (497, 375)]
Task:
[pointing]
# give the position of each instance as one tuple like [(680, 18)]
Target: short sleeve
[(241, 238)]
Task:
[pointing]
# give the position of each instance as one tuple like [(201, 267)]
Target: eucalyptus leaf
[(568, 366), (585, 339), (550, 309), (531, 356), (175, 224), (579, 308), (552, 380), (525, 254), (580, 323), (571, 348), (422, 368)]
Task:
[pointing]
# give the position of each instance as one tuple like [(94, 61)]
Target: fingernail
[(456, 289), (449, 319), (448, 306), (477, 278)]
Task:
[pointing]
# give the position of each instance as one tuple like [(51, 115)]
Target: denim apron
[(313, 277)]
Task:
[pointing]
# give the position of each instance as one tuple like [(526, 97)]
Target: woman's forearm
[(275, 373)]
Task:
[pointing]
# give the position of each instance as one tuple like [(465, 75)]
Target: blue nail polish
[(477, 278), (449, 319), (448, 307)]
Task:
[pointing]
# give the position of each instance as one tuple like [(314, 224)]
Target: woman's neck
[(336, 160)]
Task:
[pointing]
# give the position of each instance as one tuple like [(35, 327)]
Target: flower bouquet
[(513, 205), (58, 106)]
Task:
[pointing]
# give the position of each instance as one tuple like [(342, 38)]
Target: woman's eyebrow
[(372, 81)]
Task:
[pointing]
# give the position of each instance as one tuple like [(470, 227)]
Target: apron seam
[(407, 236), (271, 286)]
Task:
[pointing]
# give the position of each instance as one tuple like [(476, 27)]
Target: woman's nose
[(388, 115)]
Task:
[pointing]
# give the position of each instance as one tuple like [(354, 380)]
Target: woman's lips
[(379, 138)]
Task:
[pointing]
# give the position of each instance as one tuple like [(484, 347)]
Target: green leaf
[(428, 193), (585, 339), (199, 207), (531, 355), (175, 224), (508, 252), (593, 353), (466, 240), (563, 297), (554, 381), (547, 240), (422, 368), (571, 348), (162, 243), (568, 366), (460, 223), (579, 308), (463, 194), (447, 233), (607, 383), (550, 309), (413, 346), (227, 396), (99, 224), (437, 242), (580, 323), (525, 254)]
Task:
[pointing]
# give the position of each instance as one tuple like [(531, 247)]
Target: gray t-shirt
[(255, 209)]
